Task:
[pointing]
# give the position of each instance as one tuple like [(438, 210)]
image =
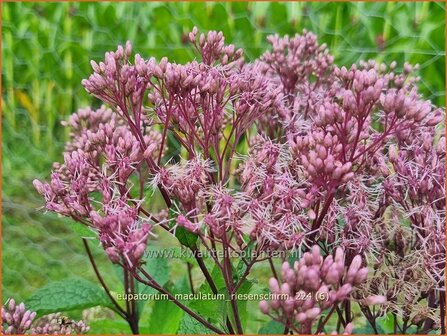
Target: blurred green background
[(46, 51)]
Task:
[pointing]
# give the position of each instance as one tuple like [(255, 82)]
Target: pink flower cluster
[(212, 48), (16, 320), (313, 285), (57, 324), (100, 159), (300, 64), (283, 153)]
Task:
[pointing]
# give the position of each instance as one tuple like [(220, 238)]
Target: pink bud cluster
[(212, 48), (341, 133), (196, 101), (103, 134), (17, 320), (313, 285), (296, 59), (321, 155), (113, 75), (201, 101), (302, 69)]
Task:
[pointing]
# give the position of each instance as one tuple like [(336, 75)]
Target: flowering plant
[(339, 170)]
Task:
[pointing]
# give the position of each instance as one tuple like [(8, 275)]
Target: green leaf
[(242, 266), (165, 317), (365, 330), (216, 275), (217, 310), (214, 310), (190, 326), (185, 237), (165, 313), (385, 324), (242, 304), (272, 328), (119, 326), (368, 330), (67, 295), (158, 268), (157, 265)]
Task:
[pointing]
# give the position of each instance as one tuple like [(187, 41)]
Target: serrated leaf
[(67, 295), (216, 275), (157, 265), (215, 310), (165, 317), (190, 326)]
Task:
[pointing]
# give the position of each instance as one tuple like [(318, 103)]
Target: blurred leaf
[(156, 264), (26, 102), (385, 324), (215, 310), (272, 328), (102, 327), (82, 230)]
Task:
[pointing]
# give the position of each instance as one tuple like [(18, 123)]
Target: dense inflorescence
[(280, 154), (17, 320), (313, 285)]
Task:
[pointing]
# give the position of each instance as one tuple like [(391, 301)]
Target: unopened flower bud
[(361, 276), (274, 286), (264, 306), (313, 313), (374, 300)]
